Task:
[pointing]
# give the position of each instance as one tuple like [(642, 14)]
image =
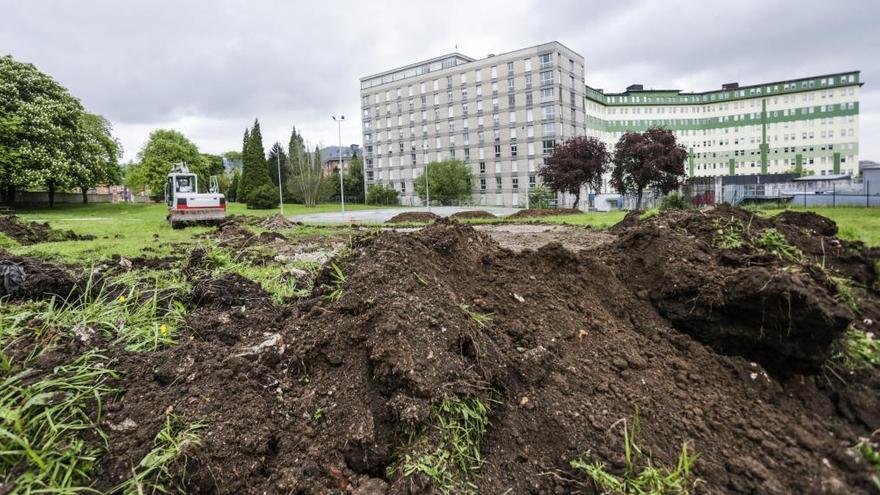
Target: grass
[(773, 241), (166, 461), (854, 223), (481, 319), (129, 230), (141, 320), (845, 293), (640, 476), (447, 450), (859, 350), (728, 235), (338, 283), (274, 278), (871, 453), (594, 219), (42, 424)]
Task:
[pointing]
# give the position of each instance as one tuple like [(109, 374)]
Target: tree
[(353, 179), (39, 128), (278, 158), (307, 176), (651, 159), (379, 194), (98, 154), (164, 150), (232, 191), (577, 162), (254, 172), (448, 181), (234, 157), (539, 197)]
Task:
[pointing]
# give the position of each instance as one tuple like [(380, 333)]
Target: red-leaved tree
[(577, 162), (651, 159)]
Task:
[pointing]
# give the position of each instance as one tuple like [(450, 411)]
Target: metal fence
[(802, 196)]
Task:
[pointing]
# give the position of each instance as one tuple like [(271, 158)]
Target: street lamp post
[(341, 181), (280, 196), (427, 187)]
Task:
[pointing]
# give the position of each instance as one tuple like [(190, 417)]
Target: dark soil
[(26, 233), (631, 219), (318, 397), (471, 214), (278, 221), (25, 278), (544, 212), (414, 216)]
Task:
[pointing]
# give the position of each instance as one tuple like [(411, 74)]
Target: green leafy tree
[(650, 159), (306, 183), (539, 197), (254, 172), (278, 159), (379, 194), (233, 156), (447, 181), (164, 150), (39, 129), (97, 158), (232, 191), (353, 179)]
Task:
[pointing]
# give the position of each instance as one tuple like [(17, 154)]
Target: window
[(483, 168), (482, 184), (478, 75), (512, 150), (510, 67), (497, 151), (510, 84), (549, 144), (497, 182), (528, 63), (436, 85), (546, 60), (512, 117), (548, 113), (514, 183), (528, 81), (547, 77), (464, 77), (494, 72), (546, 94), (531, 149), (511, 100), (528, 99), (494, 87), (449, 81)]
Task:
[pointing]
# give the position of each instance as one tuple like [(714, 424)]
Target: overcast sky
[(208, 68)]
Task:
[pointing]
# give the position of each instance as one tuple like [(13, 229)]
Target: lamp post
[(427, 187), (341, 181), (280, 196)]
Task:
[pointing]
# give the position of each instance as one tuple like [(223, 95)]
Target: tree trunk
[(51, 186), (85, 195), (10, 195), (577, 199), (639, 199)]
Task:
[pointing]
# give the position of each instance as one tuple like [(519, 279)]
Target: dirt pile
[(26, 233), (25, 278), (708, 274), (544, 212), (278, 221), (326, 396), (471, 214), (414, 216)]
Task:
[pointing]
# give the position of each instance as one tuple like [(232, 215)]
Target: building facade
[(501, 115), (336, 158), (504, 113), (807, 126)]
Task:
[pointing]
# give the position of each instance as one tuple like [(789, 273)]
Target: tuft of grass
[(871, 453), (338, 283), (728, 235), (859, 350), (274, 278), (649, 213), (845, 293), (43, 424), (773, 241), (167, 461), (640, 476), (481, 319), (447, 450), (141, 320), (7, 242)]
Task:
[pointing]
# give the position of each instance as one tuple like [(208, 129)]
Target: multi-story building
[(336, 158), (808, 125), (500, 115)]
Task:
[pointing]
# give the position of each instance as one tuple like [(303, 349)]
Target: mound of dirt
[(278, 221), (743, 300), (544, 212), (25, 278), (323, 397), (631, 219), (414, 216), (471, 214), (807, 220), (26, 233)]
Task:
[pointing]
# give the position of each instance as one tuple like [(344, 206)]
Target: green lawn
[(595, 219), (127, 229)]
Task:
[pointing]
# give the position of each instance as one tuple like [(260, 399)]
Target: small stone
[(524, 400), (519, 297), (620, 363), (127, 424)]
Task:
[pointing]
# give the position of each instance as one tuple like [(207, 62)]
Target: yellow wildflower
[(163, 330), (120, 299)]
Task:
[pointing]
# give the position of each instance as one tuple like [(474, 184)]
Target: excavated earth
[(717, 348), (25, 232)]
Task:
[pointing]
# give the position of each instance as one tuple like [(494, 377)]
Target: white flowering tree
[(40, 126)]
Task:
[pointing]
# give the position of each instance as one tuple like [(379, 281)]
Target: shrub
[(382, 195), (263, 198), (674, 201), (539, 197)]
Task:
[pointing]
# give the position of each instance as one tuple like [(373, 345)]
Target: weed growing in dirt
[(448, 450), (6, 241), (167, 460), (42, 424), (772, 241), (845, 293), (675, 201), (728, 235), (419, 279), (640, 475), (650, 213), (142, 320), (162, 280), (481, 319), (338, 283), (859, 350)]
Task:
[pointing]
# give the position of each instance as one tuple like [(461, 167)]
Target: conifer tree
[(254, 173)]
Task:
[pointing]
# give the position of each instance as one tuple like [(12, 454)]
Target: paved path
[(380, 215)]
